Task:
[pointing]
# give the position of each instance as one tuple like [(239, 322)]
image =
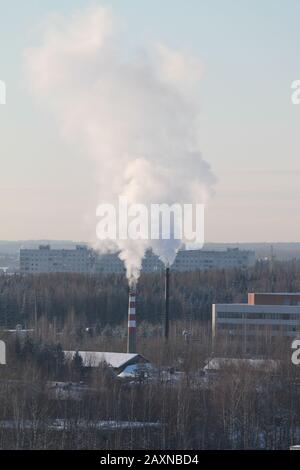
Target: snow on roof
[(132, 370), (95, 358), (217, 363)]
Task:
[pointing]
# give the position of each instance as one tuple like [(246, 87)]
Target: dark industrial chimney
[(131, 337), (167, 299)]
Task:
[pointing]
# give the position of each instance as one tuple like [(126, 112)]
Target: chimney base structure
[(131, 337)]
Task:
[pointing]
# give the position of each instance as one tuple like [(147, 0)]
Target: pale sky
[(249, 128)]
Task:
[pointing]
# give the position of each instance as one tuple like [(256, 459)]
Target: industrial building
[(265, 317)]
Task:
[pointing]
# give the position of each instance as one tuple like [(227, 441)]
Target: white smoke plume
[(136, 115)]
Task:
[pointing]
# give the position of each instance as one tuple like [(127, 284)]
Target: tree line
[(102, 299)]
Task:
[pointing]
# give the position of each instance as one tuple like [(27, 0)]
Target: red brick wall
[(269, 299)]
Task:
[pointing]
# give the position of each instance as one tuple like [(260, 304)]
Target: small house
[(117, 361)]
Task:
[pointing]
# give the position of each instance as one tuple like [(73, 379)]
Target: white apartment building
[(47, 260), (186, 260), (111, 264), (83, 260), (193, 260), (152, 263)]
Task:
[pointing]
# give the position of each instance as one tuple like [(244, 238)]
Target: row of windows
[(51, 258), (53, 269), (236, 328), (259, 316)]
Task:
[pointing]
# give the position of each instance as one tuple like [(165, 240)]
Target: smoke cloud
[(136, 115)]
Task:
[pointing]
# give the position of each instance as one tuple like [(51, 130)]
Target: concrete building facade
[(258, 320), (185, 261), (110, 263), (194, 260), (84, 260), (46, 260)]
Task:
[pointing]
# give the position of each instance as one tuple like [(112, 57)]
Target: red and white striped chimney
[(131, 337)]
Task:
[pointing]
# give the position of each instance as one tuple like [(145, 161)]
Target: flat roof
[(275, 293), (259, 308), (217, 252)]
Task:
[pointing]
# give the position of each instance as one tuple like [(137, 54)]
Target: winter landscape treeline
[(101, 300), (178, 407)]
